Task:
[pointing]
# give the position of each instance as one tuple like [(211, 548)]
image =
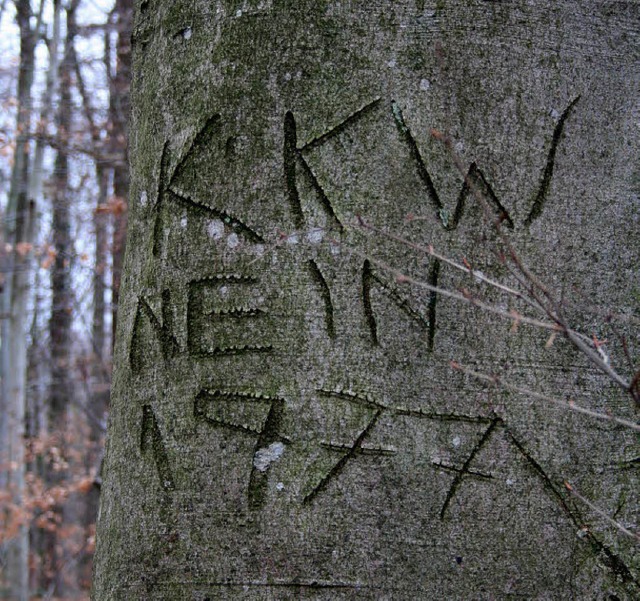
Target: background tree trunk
[(20, 219), (61, 292), (60, 335), (119, 108), (285, 420)]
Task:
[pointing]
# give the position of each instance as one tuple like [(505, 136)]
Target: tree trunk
[(286, 420), (61, 390), (61, 292), (20, 216), (119, 107)]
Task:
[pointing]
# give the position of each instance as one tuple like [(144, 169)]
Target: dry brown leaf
[(24, 248)]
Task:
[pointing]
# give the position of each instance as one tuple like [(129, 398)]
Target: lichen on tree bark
[(285, 420)]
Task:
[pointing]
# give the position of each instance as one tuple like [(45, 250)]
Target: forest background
[(64, 89)]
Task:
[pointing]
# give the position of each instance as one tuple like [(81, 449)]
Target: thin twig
[(570, 405), (536, 287), (464, 296), (429, 250), (601, 513), (596, 359)]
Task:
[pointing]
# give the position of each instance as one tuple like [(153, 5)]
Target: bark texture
[(285, 423)]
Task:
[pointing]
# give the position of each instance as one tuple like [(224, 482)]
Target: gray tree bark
[(285, 420)]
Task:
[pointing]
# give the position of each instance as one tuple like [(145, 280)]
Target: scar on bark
[(342, 126), (204, 398), (297, 585), (315, 184), (165, 157), (465, 470), (367, 278), (163, 332), (196, 312), (352, 451), (289, 151), (205, 210), (319, 141), (292, 156), (151, 442), (434, 274), (414, 151), (613, 561), (211, 128), (547, 174), (474, 177), (364, 400), (371, 279), (267, 434), (477, 179), (325, 293)]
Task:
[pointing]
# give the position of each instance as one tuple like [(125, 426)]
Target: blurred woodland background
[(64, 98)]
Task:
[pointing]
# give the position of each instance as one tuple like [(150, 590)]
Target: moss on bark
[(262, 318)]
